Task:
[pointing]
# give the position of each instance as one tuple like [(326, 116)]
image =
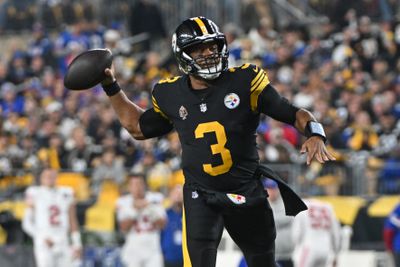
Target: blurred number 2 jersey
[(316, 235), (51, 207), (217, 130)]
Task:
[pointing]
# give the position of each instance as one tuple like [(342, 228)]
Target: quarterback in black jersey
[(215, 111)]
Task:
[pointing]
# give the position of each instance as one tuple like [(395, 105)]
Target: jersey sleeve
[(153, 123), (265, 99), (258, 79)]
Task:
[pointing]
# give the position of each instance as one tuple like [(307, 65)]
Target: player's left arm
[(28, 221), (271, 103), (75, 233)]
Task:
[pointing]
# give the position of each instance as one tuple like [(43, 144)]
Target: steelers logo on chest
[(231, 101)]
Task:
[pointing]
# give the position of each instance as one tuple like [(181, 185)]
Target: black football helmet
[(195, 31)]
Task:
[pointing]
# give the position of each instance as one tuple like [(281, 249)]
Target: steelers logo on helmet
[(231, 100), (192, 34)]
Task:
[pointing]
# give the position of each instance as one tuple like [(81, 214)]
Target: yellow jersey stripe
[(186, 258), (262, 77), (254, 95), (245, 66), (256, 78), (157, 108), (201, 25)]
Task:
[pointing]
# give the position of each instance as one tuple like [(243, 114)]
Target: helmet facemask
[(208, 67)]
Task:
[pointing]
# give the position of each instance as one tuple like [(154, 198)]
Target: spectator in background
[(108, 167), (10, 100), (141, 216), (171, 235), (3, 72), (139, 22), (389, 175), (6, 167), (362, 136), (391, 234), (79, 150), (278, 149), (18, 68), (53, 155), (41, 45)]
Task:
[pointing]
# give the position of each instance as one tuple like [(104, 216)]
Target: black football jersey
[(217, 130)]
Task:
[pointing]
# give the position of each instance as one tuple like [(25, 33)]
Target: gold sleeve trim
[(256, 90), (157, 108)]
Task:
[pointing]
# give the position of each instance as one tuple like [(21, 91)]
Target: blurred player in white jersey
[(141, 216), (316, 236), (50, 219)]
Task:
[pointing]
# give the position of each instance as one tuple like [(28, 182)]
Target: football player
[(215, 111), (316, 236), (141, 216), (50, 219)]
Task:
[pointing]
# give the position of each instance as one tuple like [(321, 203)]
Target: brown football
[(87, 69)]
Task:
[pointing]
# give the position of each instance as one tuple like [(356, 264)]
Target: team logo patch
[(195, 194), (237, 199), (231, 100), (183, 113)]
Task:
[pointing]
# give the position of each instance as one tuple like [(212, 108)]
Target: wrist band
[(314, 128), (76, 239), (112, 89)]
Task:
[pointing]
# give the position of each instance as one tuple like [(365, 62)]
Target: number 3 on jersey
[(218, 148)]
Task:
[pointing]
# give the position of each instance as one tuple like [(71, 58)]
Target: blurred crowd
[(346, 69)]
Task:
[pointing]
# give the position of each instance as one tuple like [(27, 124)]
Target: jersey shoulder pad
[(166, 83), (256, 76), (161, 90), (247, 69), (169, 80)]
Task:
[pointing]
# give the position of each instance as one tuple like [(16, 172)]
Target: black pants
[(252, 229)]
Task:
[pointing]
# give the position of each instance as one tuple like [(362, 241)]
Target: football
[(87, 69)]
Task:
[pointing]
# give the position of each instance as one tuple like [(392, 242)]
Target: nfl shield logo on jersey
[(203, 107), (237, 199), (231, 100)]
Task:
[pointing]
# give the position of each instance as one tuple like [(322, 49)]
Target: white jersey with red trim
[(50, 209), (316, 235), (142, 245), (47, 220)]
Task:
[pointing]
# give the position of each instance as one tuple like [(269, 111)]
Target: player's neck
[(197, 83)]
